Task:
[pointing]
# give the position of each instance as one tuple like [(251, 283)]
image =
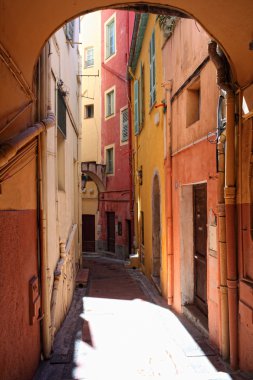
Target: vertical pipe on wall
[(230, 207), (168, 195), (46, 338), (222, 248), (43, 105), (224, 83)]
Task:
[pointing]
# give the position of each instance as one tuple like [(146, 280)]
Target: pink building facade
[(115, 224)]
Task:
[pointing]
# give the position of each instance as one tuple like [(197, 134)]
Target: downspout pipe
[(222, 247), (224, 83), (9, 148), (168, 199)]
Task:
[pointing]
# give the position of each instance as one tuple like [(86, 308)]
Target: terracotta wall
[(113, 72), (20, 341), (193, 161)]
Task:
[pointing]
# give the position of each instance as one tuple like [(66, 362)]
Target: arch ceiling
[(26, 25)]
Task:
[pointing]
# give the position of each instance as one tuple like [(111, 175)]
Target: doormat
[(200, 349), (61, 358)]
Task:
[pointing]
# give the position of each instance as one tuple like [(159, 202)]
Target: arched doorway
[(156, 231)]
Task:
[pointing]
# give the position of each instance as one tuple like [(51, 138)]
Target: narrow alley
[(119, 327), (126, 190)]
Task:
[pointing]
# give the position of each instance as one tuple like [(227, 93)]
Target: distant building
[(115, 220), (93, 172), (148, 123)]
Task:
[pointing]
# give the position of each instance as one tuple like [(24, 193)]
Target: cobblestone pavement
[(120, 328)]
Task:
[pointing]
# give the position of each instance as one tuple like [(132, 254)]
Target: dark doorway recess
[(111, 231), (88, 233), (200, 246), (128, 234)]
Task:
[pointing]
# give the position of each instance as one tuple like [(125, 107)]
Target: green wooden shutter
[(141, 91), (136, 107), (152, 69)]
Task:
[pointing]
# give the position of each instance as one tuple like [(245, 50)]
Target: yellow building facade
[(148, 121), (91, 126)]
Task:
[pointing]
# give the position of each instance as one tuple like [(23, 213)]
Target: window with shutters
[(136, 107), (61, 113), (124, 124), (141, 98), (152, 70), (69, 31), (109, 160), (89, 57), (110, 103), (110, 38)]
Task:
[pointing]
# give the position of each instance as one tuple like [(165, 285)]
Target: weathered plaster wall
[(193, 161), (18, 264), (116, 197), (91, 87), (149, 154)]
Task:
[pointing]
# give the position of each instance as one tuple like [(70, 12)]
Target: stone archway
[(156, 231)]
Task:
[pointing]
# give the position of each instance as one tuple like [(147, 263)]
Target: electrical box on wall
[(34, 300)]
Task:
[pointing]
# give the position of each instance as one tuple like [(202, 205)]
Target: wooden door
[(200, 246), (111, 231), (88, 233)]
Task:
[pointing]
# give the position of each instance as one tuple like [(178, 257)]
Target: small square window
[(193, 103), (89, 57), (89, 111), (109, 161), (110, 103)]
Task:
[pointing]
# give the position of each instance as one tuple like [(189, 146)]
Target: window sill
[(152, 107), (110, 116), (107, 59), (195, 124)]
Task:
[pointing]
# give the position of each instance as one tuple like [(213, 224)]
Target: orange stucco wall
[(20, 341), (193, 159)]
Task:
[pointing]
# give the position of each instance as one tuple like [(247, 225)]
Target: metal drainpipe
[(229, 194), (222, 248), (230, 207), (169, 215), (44, 97)]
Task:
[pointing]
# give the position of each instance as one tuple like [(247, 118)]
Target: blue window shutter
[(136, 107)]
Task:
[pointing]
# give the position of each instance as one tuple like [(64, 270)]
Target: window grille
[(124, 125)]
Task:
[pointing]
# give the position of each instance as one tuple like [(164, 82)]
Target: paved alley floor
[(119, 328)]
